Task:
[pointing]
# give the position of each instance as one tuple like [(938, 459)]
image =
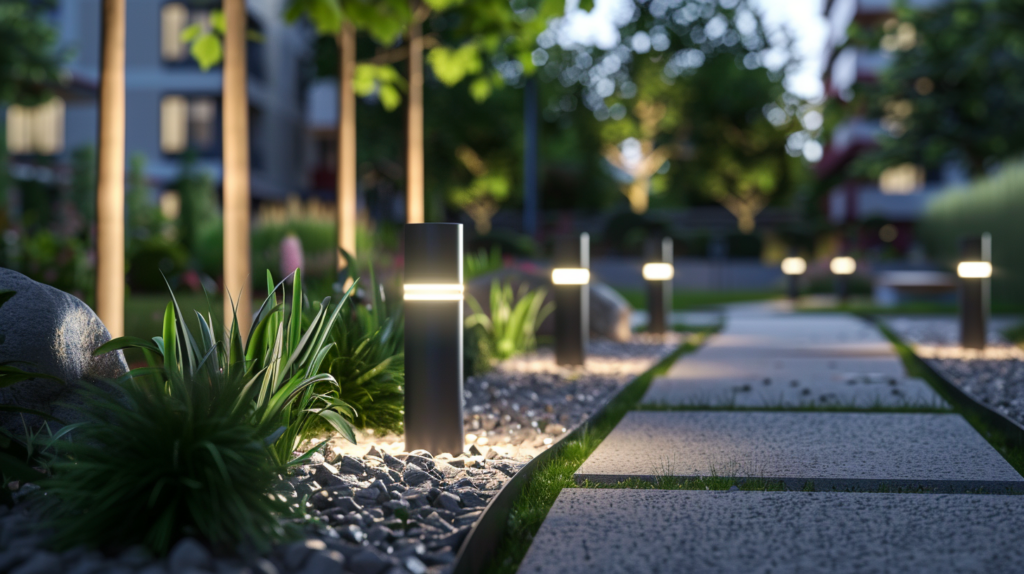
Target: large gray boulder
[(50, 332), (609, 311)]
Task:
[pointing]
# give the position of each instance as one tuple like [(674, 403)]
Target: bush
[(368, 361), (512, 326), (318, 245), (194, 446), (990, 204), (154, 259)]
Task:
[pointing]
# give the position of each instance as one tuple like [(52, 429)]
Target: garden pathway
[(738, 409)]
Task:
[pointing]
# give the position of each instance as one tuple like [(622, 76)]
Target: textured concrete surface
[(669, 531), (789, 382), (832, 450)]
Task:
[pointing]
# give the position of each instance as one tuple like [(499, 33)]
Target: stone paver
[(669, 531), (791, 382), (831, 450)]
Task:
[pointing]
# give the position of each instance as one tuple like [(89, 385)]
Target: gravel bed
[(374, 509), (993, 376)]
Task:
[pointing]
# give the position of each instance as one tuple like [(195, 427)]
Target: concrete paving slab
[(670, 531), (707, 364), (831, 450)]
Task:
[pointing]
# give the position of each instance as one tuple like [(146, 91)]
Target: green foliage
[(83, 183), (383, 80), (990, 204), (318, 238), (152, 259), (198, 205), (29, 59), (452, 65), (481, 263), (143, 214), (282, 359), (57, 260), (955, 91), (368, 360), (512, 325)]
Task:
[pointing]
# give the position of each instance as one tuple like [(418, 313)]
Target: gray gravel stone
[(369, 561), (39, 563), (188, 553), (324, 562)]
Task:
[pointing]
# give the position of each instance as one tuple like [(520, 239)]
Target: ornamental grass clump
[(195, 443), (511, 327), (368, 360)]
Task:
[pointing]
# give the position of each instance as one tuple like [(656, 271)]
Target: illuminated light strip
[(794, 266), (658, 271), (843, 265), (570, 276), (974, 270), (433, 292)]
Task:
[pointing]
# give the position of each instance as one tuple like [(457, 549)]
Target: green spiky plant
[(368, 359), (481, 263), (194, 444), (515, 316)]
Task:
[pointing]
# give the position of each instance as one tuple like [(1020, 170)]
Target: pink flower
[(291, 254)]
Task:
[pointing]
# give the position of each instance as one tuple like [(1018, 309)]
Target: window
[(189, 122), (902, 179), (173, 19), (176, 16), (36, 129)]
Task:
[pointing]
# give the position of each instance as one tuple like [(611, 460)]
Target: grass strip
[(540, 492), (1009, 444)]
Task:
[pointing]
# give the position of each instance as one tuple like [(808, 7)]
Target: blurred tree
[(143, 214), (198, 203), (29, 67), (955, 89), (83, 185), (110, 253), (689, 84), (484, 194)]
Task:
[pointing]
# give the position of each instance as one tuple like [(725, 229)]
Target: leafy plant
[(512, 325), (368, 360), (481, 263), (193, 444)]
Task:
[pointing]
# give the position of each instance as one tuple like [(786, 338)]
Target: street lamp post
[(570, 278), (658, 272), (433, 337), (793, 267), (842, 267), (974, 271)]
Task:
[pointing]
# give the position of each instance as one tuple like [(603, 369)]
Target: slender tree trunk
[(235, 112), (110, 270), (414, 172), (346, 201)]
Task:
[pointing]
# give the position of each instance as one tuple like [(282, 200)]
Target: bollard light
[(793, 267), (433, 337), (658, 272), (842, 267), (974, 272), (571, 277)]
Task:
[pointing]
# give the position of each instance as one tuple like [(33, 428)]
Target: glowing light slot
[(570, 276), (433, 292), (658, 271), (843, 265), (794, 266), (974, 270)]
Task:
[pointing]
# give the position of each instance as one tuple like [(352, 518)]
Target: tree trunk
[(110, 255), (414, 172), (235, 112), (347, 203)]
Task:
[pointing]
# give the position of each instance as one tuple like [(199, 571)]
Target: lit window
[(170, 204), (36, 129), (173, 124), (901, 179), (173, 19)]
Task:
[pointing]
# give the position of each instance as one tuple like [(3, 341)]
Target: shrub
[(368, 360), (194, 446), (481, 263), (512, 326)]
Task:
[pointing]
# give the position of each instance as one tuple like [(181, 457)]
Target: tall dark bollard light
[(433, 337), (571, 277), (793, 267), (658, 271), (974, 270)]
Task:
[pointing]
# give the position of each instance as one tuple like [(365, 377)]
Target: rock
[(344, 504), (471, 499), (415, 477), (154, 569), (350, 465), (414, 565), (368, 561), (393, 463), (554, 428), (295, 553), (40, 563), (422, 462), (373, 452), (351, 532), (263, 566), (449, 502), (317, 458), (474, 451), (135, 556), (324, 562), (367, 496), (188, 553), (46, 331), (609, 313)]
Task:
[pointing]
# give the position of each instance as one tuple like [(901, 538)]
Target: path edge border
[(483, 539)]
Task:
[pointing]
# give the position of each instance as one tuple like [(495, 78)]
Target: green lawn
[(694, 299)]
